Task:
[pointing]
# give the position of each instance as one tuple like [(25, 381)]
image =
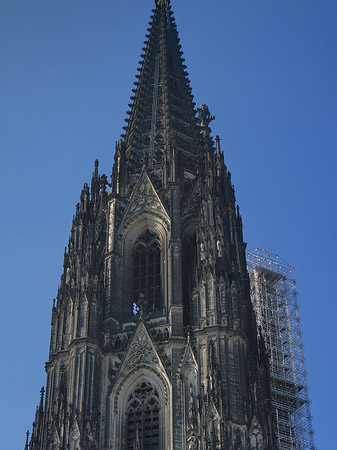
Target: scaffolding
[(274, 298)]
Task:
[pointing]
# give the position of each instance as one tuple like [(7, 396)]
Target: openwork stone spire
[(162, 110)]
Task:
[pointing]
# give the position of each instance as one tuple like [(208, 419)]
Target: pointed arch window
[(142, 418), (147, 270)]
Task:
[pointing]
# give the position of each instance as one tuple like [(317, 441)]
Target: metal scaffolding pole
[(274, 299)]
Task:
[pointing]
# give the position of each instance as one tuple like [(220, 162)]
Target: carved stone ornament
[(192, 442), (141, 350), (75, 436), (205, 118), (144, 199), (188, 359), (142, 353), (54, 441), (193, 202)]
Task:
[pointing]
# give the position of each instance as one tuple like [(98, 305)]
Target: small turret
[(85, 198), (35, 441), (218, 149), (95, 182), (27, 440), (41, 404)]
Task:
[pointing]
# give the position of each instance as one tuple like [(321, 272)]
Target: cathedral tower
[(154, 342)]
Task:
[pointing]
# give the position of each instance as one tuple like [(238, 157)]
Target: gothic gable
[(188, 359), (74, 436), (142, 352), (144, 199)]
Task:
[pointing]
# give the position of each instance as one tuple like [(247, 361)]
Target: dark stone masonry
[(153, 339)]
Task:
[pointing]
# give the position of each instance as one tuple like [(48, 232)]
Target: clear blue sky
[(267, 70)]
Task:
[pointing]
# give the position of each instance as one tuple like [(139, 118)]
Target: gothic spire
[(167, 234), (162, 113)]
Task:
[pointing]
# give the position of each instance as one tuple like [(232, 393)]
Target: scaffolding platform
[(274, 299)]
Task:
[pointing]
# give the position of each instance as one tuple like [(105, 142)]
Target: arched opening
[(147, 271), (142, 429)]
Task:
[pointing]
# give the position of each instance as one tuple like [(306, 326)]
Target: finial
[(27, 439), (141, 305), (95, 174), (42, 391), (104, 183), (218, 149)]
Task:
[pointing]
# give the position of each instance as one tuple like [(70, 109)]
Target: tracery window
[(147, 255), (142, 418)]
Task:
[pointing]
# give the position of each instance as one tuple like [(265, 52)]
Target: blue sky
[(267, 70)]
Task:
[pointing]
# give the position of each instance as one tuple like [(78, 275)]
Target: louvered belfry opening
[(142, 430), (147, 276)]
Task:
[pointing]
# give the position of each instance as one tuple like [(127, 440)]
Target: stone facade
[(153, 341)]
